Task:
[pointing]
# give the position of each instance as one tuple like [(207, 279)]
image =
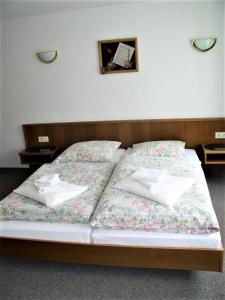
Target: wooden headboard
[(193, 131)]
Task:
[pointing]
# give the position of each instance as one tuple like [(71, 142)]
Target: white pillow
[(96, 151)]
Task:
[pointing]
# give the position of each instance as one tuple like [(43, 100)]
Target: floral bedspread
[(77, 210), (192, 214)]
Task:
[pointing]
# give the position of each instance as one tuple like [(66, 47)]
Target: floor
[(10, 178), (40, 280)]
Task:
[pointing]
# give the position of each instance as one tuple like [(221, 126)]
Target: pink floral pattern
[(193, 213), (162, 148), (77, 210), (95, 151)]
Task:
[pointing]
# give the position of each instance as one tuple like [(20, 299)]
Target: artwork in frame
[(118, 55)]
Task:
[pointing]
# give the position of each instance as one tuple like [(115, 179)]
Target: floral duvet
[(77, 210), (192, 214)]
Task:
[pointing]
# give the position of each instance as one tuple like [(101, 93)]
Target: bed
[(22, 216), (123, 218), (95, 249)]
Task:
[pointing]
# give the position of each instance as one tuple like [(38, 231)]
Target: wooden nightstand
[(214, 154), (36, 156)]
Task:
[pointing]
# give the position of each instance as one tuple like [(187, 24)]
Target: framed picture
[(118, 56)]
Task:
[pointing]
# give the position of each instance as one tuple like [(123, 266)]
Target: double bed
[(93, 229)]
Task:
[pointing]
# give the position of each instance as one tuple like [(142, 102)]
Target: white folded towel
[(50, 182), (60, 187), (50, 191), (166, 191), (149, 176), (49, 179), (170, 189)]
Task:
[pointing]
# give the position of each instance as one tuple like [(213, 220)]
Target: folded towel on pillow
[(149, 176), (47, 183), (49, 179), (52, 195), (166, 191)]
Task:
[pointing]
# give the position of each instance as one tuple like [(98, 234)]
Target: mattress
[(79, 233), (83, 233), (155, 239)]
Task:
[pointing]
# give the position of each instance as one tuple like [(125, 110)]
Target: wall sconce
[(47, 57), (204, 44)]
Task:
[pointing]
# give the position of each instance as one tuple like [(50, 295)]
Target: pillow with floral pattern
[(162, 148), (96, 151)]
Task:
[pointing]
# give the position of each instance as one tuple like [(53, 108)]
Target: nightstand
[(36, 156), (214, 154)]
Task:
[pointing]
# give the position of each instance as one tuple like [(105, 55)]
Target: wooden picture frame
[(113, 53)]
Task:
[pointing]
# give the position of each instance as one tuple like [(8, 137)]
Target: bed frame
[(61, 135)]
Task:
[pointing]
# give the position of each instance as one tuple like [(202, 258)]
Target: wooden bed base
[(193, 131), (113, 255)]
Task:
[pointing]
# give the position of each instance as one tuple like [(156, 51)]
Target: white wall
[(174, 80), (1, 122), (224, 58)]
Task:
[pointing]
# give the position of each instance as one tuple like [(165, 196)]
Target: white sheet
[(192, 156), (79, 233), (156, 239), (83, 233)]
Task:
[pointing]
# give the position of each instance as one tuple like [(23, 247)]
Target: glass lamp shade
[(205, 44), (47, 57)]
